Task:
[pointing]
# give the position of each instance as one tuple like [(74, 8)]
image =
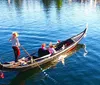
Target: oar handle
[(25, 51), (31, 58)]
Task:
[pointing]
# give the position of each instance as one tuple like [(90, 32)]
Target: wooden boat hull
[(39, 62)]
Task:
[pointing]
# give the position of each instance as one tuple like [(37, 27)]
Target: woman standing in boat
[(15, 45)]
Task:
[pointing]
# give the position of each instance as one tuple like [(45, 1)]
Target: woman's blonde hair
[(15, 34)]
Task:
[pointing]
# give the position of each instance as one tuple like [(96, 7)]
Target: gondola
[(26, 64)]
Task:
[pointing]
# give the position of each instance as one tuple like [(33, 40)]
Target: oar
[(27, 53), (32, 58), (38, 65)]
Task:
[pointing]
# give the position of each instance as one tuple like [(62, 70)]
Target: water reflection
[(85, 51), (47, 4), (23, 76), (9, 2), (59, 4), (79, 46), (18, 4)]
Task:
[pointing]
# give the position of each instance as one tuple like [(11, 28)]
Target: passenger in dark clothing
[(43, 51), (59, 46), (66, 43)]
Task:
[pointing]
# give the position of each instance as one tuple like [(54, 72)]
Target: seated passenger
[(43, 51), (59, 45), (51, 49), (58, 41)]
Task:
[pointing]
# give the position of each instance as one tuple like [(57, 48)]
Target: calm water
[(39, 21)]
